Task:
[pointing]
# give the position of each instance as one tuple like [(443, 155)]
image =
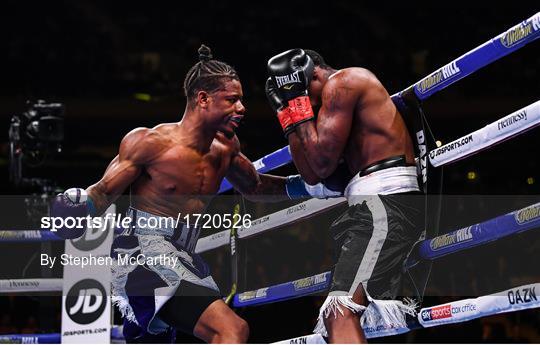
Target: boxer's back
[(378, 130), (180, 178)]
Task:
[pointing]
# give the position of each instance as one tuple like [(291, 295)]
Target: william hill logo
[(528, 214), (446, 240), (445, 73), (520, 32), (250, 295), (310, 281)]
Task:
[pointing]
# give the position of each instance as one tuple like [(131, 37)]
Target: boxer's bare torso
[(179, 177), (377, 130), (177, 167), (357, 121)]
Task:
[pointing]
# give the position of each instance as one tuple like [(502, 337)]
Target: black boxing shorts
[(372, 239)]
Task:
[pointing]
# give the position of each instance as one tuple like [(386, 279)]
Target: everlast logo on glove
[(287, 79)]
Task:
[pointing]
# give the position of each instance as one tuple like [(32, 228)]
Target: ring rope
[(514, 222), (511, 300), (480, 233), (52, 338), (517, 221), (31, 285), (496, 132), (519, 298), (503, 44), (219, 239), (11, 236)]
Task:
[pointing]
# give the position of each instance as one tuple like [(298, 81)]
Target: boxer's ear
[(202, 99), (316, 73)]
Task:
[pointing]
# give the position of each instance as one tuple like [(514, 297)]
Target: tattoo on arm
[(323, 141), (334, 99)]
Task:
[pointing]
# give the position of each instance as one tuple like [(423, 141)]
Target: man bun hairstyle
[(208, 74), (205, 54), (317, 58)]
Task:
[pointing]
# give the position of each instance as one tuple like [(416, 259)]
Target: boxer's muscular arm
[(254, 186), (300, 161), (323, 141), (136, 149)]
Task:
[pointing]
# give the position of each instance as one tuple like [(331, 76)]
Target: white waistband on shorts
[(387, 181)]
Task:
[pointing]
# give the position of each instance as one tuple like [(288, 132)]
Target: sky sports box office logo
[(446, 311)]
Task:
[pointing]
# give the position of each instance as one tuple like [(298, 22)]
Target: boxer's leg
[(133, 334), (345, 327), (200, 311), (219, 324), (373, 238), (340, 314)]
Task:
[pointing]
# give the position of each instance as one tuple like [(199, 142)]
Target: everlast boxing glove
[(291, 73), (279, 106), (73, 203)]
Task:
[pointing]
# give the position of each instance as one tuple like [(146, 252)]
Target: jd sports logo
[(86, 301), (92, 238)]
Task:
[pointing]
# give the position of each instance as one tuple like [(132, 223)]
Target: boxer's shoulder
[(147, 136), (354, 75), (143, 142), (227, 144), (352, 82)]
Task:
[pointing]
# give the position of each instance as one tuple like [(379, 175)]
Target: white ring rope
[(289, 215), (511, 300), (271, 221), (505, 128), (494, 133), (31, 285), (219, 239)]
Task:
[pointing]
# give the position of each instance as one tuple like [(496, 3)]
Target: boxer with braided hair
[(207, 74), (175, 168)]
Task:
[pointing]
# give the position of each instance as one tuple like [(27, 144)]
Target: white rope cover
[(31, 285), (505, 128)]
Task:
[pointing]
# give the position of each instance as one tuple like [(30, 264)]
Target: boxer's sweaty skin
[(176, 167), (357, 121)]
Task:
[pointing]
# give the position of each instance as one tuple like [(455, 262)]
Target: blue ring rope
[(494, 49)]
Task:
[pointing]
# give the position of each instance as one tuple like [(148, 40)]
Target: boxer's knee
[(219, 324), (360, 296), (230, 332), (344, 328), (236, 332)]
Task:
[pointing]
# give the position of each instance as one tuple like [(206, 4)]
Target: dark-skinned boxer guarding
[(357, 131), (175, 168)]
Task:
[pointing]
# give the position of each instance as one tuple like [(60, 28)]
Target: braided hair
[(207, 75)]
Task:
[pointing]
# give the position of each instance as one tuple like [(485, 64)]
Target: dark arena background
[(118, 65)]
